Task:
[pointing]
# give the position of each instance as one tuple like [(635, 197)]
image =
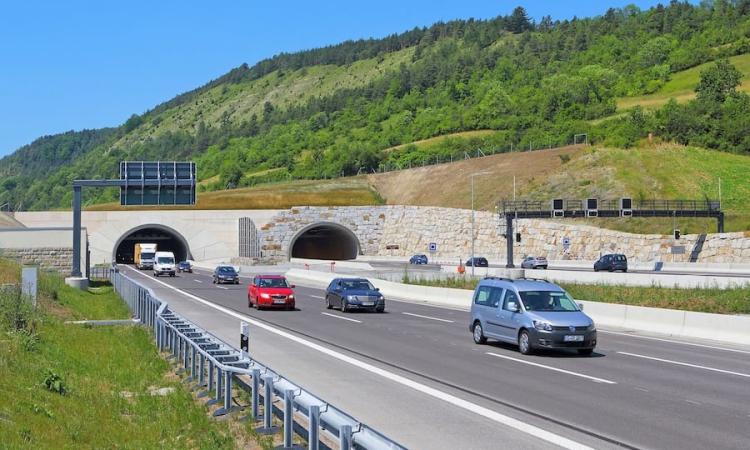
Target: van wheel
[(524, 343), (479, 334)]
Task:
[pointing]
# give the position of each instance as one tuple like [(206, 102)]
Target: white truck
[(164, 264), (144, 256)]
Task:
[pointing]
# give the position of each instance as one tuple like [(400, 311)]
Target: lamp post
[(472, 218)]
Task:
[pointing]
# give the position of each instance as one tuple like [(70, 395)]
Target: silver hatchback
[(533, 314)]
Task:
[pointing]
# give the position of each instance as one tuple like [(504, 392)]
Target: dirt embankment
[(449, 185)]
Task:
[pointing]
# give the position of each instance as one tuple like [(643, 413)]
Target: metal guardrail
[(215, 366)]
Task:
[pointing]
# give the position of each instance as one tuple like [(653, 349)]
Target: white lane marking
[(339, 317), (694, 366), (428, 317), (712, 347), (508, 421), (197, 281), (317, 296), (588, 377)]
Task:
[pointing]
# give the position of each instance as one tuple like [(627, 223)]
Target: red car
[(270, 291)]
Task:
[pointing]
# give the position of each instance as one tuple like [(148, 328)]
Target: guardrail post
[(210, 382), (193, 363), (288, 417), (345, 437), (314, 426), (267, 401), (256, 394), (219, 384)]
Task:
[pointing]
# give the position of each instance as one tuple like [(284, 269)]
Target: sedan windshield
[(548, 301)]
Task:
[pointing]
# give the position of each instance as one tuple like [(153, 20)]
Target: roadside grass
[(353, 191), (731, 301), (82, 386)]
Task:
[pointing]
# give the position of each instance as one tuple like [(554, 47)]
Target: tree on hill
[(519, 21)]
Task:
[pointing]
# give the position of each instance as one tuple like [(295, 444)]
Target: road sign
[(157, 183), (433, 247)]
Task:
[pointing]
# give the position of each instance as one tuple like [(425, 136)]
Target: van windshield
[(547, 301)]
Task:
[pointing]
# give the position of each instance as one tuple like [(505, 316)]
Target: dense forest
[(366, 104)]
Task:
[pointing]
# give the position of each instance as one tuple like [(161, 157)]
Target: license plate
[(279, 302), (572, 338), (368, 303)]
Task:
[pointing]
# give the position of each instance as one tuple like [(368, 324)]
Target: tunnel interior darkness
[(164, 239), (325, 241)]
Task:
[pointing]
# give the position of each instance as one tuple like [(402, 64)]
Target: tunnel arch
[(325, 240), (166, 239)]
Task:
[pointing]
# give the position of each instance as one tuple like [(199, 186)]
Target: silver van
[(533, 314)]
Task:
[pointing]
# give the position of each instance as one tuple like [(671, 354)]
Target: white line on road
[(339, 317), (317, 296), (508, 421), (695, 366), (598, 380), (671, 341), (428, 317)]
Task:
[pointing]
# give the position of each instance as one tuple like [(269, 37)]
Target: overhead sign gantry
[(141, 183), (559, 208)]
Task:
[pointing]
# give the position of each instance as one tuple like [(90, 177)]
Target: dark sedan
[(477, 261), (226, 274), (354, 294)]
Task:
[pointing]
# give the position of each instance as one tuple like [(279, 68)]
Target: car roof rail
[(493, 277), (536, 279)]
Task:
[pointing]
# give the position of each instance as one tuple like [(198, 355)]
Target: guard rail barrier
[(216, 366)]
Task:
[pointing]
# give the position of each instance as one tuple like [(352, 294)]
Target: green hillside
[(454, 90)]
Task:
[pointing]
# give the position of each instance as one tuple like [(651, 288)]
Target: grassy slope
[(658, 172), (76, 386), (681, 86)]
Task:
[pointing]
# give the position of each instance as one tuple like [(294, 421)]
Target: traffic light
[(518, 237), (677, 234)]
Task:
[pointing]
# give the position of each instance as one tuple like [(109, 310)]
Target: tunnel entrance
[(166, 240), (325, 241)]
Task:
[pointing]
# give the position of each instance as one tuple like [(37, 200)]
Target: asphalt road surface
[(415, 375)]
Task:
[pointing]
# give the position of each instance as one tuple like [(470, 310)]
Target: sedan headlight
[(265, 295), (352, 298), (542, 325), (381, 299)]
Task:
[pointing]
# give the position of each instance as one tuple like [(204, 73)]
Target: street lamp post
[(472, 218)]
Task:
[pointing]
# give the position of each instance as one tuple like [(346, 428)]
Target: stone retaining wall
[(413, 228), (48, 259)]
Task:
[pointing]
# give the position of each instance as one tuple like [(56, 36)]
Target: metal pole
[(472, 225), (76, 272)]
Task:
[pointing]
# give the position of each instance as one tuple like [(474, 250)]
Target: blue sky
[(89, 64)]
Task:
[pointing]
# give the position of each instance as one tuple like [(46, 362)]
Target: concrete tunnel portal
[(329, 241), (165, 239)]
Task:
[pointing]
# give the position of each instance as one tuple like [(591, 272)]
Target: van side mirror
[(513, 306), (580, 306)]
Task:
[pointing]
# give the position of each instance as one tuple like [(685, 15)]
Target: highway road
[(415, 374)]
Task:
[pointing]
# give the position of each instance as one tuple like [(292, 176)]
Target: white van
[(164, 264)]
